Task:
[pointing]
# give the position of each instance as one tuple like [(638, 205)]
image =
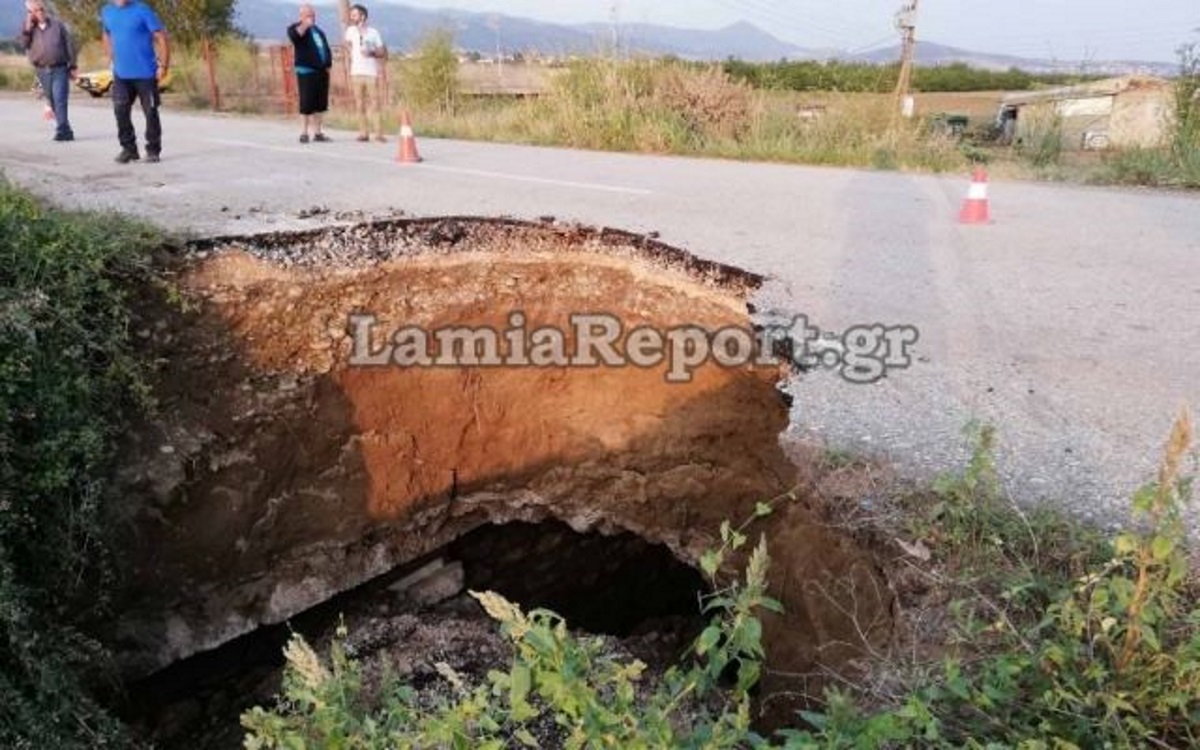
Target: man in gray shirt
[(52, 53)]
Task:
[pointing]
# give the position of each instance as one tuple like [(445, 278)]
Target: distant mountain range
[(402, 26), (931, 53)]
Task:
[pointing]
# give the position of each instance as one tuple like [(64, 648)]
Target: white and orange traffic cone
[(408, 141), (975, 208)]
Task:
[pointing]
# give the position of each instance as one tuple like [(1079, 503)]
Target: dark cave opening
[(619, 585)]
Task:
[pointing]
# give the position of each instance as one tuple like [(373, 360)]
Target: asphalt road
[(1072, 322)]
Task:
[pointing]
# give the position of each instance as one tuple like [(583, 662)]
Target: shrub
[(1140, 166), (1109, 657), (433, 80), (68, 378), (709, 101), (1042, 146), (1186, 136)]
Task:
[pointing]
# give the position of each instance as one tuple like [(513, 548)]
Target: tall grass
[(243, 73), (16, 78), (1176, 163), (669, 108)]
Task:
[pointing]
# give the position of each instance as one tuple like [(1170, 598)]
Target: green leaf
[(750, 637), (709, 562), (522, 680), (748, 674), (1162, 547), (819, 721), (762, 510), (771, 605), (707, 639), (525, 738)]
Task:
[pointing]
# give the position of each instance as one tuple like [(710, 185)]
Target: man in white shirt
[(368, 55)]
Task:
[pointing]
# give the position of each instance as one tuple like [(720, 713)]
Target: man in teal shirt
[(136, 42)]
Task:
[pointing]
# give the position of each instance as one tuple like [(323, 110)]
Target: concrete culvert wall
[(277, 475)]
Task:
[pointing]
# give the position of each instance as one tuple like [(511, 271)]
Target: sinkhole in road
[(283, 471)]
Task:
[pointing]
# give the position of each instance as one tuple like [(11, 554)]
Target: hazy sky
[(1055, 29)]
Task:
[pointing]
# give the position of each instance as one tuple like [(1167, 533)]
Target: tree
[(434, 81), (83, 16), (192, 21), (188, 22)]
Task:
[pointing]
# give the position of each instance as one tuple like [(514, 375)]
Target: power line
[(888, 40)]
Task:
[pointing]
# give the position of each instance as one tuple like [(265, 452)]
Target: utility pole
[(614, 15), (494, 23), (906, 23)]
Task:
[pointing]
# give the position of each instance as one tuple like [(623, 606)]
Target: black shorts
[(314, 92)]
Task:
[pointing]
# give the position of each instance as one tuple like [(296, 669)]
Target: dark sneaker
[(127, 156), (153, 158), (304, 137), (321, 137), (62, 138)]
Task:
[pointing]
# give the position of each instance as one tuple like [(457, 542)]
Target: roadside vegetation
[(1049, 635), (811, 75), (824, 113), (69, 379), (1177, 163)]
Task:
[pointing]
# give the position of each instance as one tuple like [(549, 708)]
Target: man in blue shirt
[(137, 45)]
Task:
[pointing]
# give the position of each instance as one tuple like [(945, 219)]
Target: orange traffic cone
[(408, 142), (975, 208)]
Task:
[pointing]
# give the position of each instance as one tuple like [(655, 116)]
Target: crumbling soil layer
[(276, 474)]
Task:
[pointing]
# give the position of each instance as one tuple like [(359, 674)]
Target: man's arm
[(107, 47), (344, 12), (27, 31), (162, 48), (72, 49)]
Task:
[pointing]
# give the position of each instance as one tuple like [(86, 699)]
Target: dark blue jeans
[(145, 90), (56, 83)]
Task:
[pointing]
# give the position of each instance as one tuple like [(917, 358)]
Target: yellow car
[(99, 82)]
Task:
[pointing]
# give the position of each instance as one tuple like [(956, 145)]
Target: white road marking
[(319, 150)]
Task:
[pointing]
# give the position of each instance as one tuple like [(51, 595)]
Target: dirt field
[(513, 79)]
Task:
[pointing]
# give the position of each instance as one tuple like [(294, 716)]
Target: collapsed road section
[(282, 469)]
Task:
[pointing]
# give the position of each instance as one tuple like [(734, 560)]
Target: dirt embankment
[(277, 474)]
